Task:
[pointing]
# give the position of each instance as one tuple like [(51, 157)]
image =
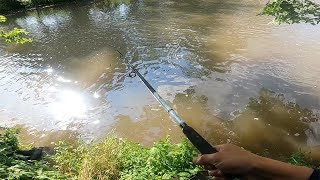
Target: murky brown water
[(207, 58)]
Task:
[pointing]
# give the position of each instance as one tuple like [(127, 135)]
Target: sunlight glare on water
[(69, 105)]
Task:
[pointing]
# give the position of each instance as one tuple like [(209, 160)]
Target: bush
[(293, 11), (16, 35), (165, 160), (113, 158)]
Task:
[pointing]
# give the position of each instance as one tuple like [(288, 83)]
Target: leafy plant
[(165, 160), (16, 35), (293, 11), (113, 158)]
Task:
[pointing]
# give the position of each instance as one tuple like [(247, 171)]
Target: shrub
[(113, 158), (293, 11), (15, 35), (165, 160)]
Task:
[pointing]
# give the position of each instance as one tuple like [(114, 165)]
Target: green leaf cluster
[(16, 35), (165, 160), (293, 11)]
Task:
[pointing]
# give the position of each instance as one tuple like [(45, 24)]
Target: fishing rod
[(195, 138)]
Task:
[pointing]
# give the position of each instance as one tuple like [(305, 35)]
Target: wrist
[(269, 168), (257, 164)]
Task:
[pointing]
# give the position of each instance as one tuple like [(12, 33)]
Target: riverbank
[(111, 158), (11, 6), (8, 6)]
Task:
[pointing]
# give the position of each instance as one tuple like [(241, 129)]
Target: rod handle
[(202, 145), (197, 140)]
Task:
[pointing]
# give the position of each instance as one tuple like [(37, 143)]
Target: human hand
[(230, 159), (233, 160)]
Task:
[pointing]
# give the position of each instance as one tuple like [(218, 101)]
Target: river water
[(234, 76)]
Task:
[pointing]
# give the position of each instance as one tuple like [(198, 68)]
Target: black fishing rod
[(195, 138)]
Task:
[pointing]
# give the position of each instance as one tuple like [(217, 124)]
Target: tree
[(16, 35), (293, 11)]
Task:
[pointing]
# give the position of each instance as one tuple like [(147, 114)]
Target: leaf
[(2, 18), (293, 11), (166, 176), (184, 174)]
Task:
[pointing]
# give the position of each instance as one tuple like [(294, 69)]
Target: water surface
[(206, 58)]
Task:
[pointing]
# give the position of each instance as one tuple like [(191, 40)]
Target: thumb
[(204, 159)]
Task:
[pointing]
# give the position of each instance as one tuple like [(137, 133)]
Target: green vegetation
[(111, 158), (16, 35), (293, 11), (13, 165)]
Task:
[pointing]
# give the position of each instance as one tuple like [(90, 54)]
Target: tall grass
[(90, 161)]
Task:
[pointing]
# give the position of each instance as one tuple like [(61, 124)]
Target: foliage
[(89, 161), (164, 160), (16, 35), (13, 165), (2, 19), (302, 159), (293, 11), (113, 158)]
